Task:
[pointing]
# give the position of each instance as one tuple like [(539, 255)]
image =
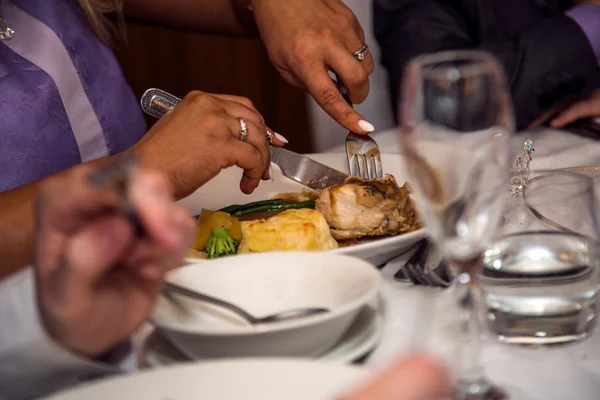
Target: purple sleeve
[(588, 18)]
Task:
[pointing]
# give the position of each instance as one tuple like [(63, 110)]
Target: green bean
[(274, 207), (237, 207)]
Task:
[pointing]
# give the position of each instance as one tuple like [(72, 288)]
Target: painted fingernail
[(366, 126), (281, 137)]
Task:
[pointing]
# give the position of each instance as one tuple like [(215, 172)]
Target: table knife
[(305, 170), (294, 166)]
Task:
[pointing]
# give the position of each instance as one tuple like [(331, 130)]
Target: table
[(545, 374), (549, 374)]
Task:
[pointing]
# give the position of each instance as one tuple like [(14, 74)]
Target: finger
[(244, 101), (547, 116), (96, 249), (278, 139), (351, 73), (327, 95), (151, 198), (258, 140), (257, 137), (414, 378), (248, 158), (238, 110), (581, 109)]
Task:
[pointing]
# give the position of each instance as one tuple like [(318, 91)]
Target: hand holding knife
[(299, 168)]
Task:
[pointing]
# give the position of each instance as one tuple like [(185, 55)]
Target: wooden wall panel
[(180, 61)]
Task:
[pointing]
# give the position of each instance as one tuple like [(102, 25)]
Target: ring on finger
[(243, 129), (269, 136), (361, 54)]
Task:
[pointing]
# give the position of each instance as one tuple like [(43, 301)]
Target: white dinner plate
[(251, 379), (362, 337), (224, 190)]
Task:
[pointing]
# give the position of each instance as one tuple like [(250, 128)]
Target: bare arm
[(17, 221), (213, 16)]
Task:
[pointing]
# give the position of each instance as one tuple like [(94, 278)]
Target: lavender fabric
[(36, 136), (588, 18)]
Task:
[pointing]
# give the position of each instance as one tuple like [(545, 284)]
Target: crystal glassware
[(540, 279), (456, 125)]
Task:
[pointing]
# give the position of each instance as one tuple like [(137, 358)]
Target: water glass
[(540, 277)]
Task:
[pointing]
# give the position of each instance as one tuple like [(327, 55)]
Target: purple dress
[(63, 97)]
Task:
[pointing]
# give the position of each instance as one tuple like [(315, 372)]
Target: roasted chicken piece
[(359, 208)]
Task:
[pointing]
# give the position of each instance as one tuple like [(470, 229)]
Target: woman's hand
[(588, 107), (201, 136), (97, 281), (306, 37)]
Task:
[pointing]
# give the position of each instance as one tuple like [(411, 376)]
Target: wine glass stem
[(472, 376)]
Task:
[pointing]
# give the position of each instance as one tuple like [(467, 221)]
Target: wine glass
[(456, 126)]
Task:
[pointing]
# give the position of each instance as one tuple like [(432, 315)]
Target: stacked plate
[(264, 284)]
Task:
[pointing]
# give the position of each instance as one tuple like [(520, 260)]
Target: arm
[(549, 63), (17, 222), (31, 363), (303, 38)]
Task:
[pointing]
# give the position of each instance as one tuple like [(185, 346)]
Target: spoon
[(281, 316)]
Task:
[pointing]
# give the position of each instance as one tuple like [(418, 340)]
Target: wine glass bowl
[(459, 100)]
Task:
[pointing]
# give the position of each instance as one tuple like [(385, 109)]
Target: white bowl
[(264, 284), (224, 190)]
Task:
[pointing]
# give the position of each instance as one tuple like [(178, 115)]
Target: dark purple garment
[(41, 118)]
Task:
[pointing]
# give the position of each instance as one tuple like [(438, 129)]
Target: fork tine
[(378, 165), (352, 164), (362, 166), (417, 274), (371, 167), (409, 274)]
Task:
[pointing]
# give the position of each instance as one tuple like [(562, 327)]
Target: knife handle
[(157, 103)]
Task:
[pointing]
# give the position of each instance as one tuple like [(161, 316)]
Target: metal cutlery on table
[(364, 158), (426, 267)]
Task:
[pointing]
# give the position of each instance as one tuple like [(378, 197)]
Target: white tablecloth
[(571, 372)]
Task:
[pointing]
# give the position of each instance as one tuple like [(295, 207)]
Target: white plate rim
[(198, 367)]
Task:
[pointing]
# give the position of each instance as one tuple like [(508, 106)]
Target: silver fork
[(364, 158), (426, 268)]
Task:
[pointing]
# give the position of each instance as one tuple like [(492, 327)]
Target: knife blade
[(305, 170)]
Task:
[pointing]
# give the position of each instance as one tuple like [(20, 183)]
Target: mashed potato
[(292, 230)]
